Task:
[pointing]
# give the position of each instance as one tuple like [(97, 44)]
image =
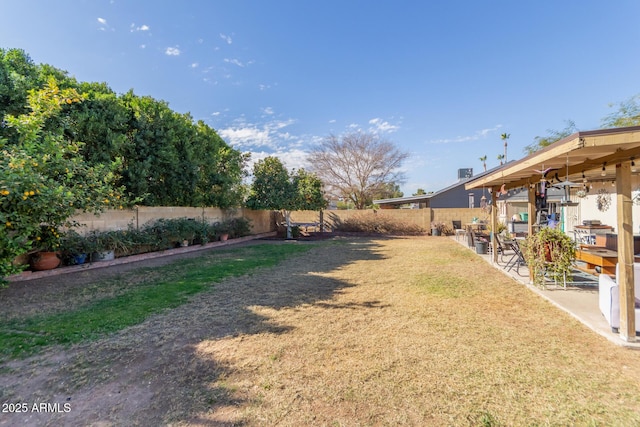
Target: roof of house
[(582, 155), (425, 197)]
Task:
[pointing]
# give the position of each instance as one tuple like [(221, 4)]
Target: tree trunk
[(287, 219)]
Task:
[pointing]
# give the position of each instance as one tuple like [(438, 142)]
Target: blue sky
[(442, 80)]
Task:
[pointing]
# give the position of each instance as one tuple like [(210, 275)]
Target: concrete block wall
[(265, 221), (106, 221), (261, 221), (465, 215), (420, 217)]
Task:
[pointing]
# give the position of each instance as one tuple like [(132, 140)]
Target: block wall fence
[(420, 217), (265, 221), (261, 221)]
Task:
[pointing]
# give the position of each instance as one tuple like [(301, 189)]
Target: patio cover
[(587, 155)]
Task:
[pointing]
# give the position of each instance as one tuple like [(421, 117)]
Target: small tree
[(274, 188), (505, 137), (483, 159), (628, 114), (358, 166), (554, 135)]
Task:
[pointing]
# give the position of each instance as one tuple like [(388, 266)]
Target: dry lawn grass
[(404, 331)]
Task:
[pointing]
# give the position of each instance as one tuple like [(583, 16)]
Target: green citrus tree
[(44, 178), (275, 188)]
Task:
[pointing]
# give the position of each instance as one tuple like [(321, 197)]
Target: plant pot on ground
[(75, 248), (46, 255), (45, 260), (107, 243), (438, 228)]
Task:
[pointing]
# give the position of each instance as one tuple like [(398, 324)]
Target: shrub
[(239, 227), (376, 223)]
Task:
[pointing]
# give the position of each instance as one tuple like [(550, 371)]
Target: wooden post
[(531, 211), (494, 225), (625, 277), (531, 208)]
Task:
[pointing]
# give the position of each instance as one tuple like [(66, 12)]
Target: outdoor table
[(606, 259)]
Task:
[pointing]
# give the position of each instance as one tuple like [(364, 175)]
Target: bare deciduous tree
[(357, 165)]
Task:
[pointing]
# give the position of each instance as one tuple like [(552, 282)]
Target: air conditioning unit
[(465, 173)]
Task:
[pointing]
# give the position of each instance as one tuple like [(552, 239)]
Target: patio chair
[(504, 250), (460, 232), (470, 237), (517, 259)]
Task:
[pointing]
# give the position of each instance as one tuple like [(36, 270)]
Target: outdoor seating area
[(516, 260), (582, 296)]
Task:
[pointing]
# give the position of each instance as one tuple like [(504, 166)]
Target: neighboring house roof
[(426, 197)]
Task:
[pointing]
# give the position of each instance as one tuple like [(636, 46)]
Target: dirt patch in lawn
[(358, 331)]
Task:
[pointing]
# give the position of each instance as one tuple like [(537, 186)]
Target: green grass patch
[(180, 281)]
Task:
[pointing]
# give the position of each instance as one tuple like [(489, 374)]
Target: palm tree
[(483, 159), (504, 137), (501, 158)]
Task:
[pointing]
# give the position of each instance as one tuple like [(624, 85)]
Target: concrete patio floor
[(580, 301)]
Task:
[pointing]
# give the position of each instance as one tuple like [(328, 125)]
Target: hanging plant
[(550, 252), (603, 201)]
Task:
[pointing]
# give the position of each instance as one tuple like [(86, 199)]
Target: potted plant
[(106, 243), (222, 230), (47, 246), (501, 228), (437, 228), (549, 252), (75, 248)]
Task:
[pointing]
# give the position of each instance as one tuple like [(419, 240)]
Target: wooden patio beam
[(625, 277)]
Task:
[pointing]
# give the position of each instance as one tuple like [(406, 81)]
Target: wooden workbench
[(606, 259)]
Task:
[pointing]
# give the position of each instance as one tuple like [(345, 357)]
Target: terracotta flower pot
[(45, 261)]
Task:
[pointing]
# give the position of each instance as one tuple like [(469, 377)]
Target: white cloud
[(234, 62), (103, 25), (226, 38), (379, 125), (140, 28), (268, 110), (143, 46), (250, 136), (477, 135), (194, 65), (172, 51), (291, 159)]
